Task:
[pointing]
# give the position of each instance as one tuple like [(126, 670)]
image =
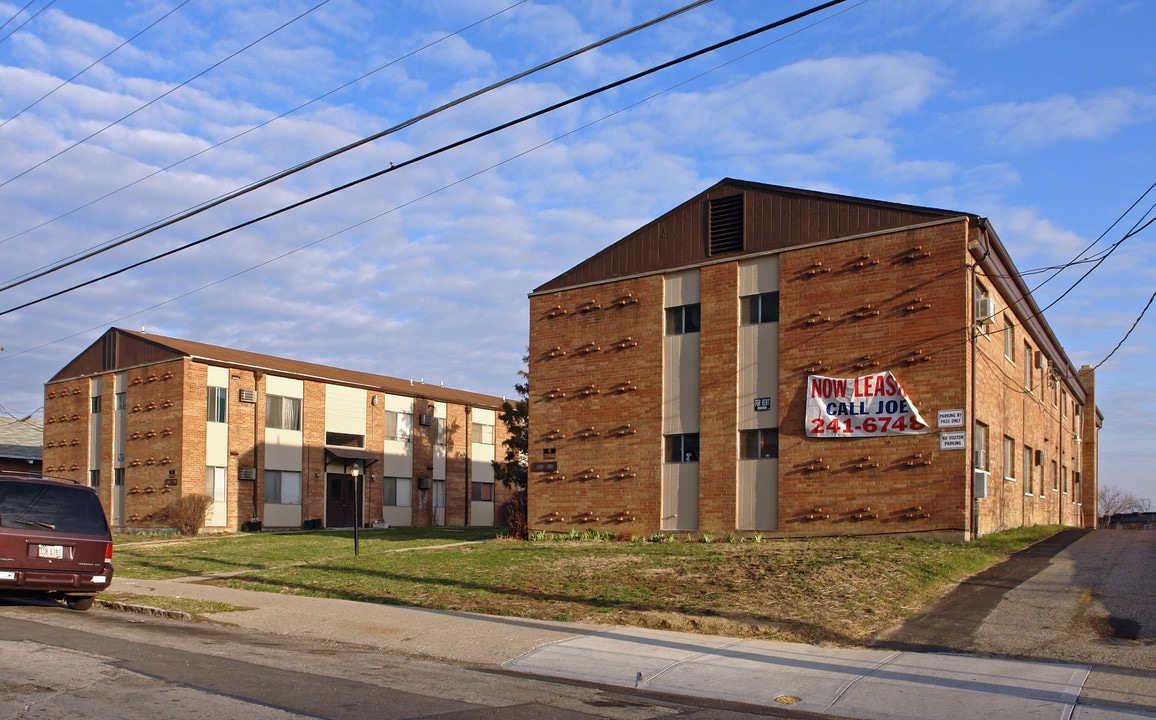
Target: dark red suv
[(54, 540)]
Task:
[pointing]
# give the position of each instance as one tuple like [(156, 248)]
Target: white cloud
[(1064, 118)]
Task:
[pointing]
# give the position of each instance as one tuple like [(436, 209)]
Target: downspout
[(1026, 464), (258, 447), (973, 501), (1060, 469), (469, 462)]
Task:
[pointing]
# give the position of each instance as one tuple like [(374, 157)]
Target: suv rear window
[(51, 507)]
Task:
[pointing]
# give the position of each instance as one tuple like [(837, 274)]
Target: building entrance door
[(340, 500)]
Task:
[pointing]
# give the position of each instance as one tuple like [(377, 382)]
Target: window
[(682, 448), (979, 446), (1028, 485), (1009, 339), (761, 308), (1009, 461), (121, 401), (683, 319), (282, 487), (1028, 379), (483, 434), (398, 492), (439, 427), (344, 440), (218, 404), (398, 425), (1055, 476), (94, 478), (95, 404), (118, 477), (282, 413), (756, 444), (1064, 479), (482, 492), (984, 309)]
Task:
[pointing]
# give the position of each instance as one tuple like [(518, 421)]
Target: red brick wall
[(718, 397), (313, 437), (894, 302), (1030, 418), (66, 411), (596, 399)]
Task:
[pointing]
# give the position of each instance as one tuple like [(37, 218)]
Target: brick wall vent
[(916, 253)]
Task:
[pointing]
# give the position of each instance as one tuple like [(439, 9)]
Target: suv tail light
[(108, 552)]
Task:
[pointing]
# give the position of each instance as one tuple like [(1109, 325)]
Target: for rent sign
[(865, 406)]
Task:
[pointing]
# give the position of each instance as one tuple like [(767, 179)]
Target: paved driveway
[(1084, 597)]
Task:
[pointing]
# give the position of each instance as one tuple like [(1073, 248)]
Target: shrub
[(516, 521), (187, 513)]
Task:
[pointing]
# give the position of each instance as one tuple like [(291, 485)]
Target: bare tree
[(1114, 501)]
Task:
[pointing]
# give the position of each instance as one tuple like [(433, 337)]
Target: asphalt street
[(1063, 630)]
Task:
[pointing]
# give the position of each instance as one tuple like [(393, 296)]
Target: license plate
[(7, 575), (52, 552)]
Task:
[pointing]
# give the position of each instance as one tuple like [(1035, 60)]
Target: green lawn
[(838, 590)]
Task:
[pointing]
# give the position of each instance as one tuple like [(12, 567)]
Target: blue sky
[(1037, 114)]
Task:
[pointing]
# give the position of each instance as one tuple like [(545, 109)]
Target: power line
[(1127, 334), (419, 198), (17, 14), (163, 95), (94, 63), (425, 156), (220, 200), (1097, 240), (234, 137), (30, 19)]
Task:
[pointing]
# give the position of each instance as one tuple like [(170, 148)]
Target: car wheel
[(79, 603)]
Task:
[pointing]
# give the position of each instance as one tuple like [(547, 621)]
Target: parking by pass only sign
[(865, 406)]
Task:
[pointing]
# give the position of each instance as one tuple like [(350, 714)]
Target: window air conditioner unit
[(424, 419), (248, 396), (984, 309), (979, 484), (980, 457), (247, 473)]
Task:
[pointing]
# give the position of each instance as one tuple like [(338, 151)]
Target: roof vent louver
[(726, 225)]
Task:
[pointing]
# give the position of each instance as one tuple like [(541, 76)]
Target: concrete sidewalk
[(860, 683)]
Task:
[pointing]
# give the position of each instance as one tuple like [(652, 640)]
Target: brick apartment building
[(20, 445), (147, 419), (766, 359)]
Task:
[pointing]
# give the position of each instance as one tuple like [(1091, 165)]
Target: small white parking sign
[(953, 440), (950, 418)]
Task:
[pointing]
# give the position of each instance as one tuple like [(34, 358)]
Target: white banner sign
[(865, 406)]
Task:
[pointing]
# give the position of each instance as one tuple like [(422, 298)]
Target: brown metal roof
[(775, 218), (119, 349)]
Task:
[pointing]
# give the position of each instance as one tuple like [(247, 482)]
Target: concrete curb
[(145, 610)]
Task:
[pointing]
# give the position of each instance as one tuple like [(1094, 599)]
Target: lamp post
[(355, 471)]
